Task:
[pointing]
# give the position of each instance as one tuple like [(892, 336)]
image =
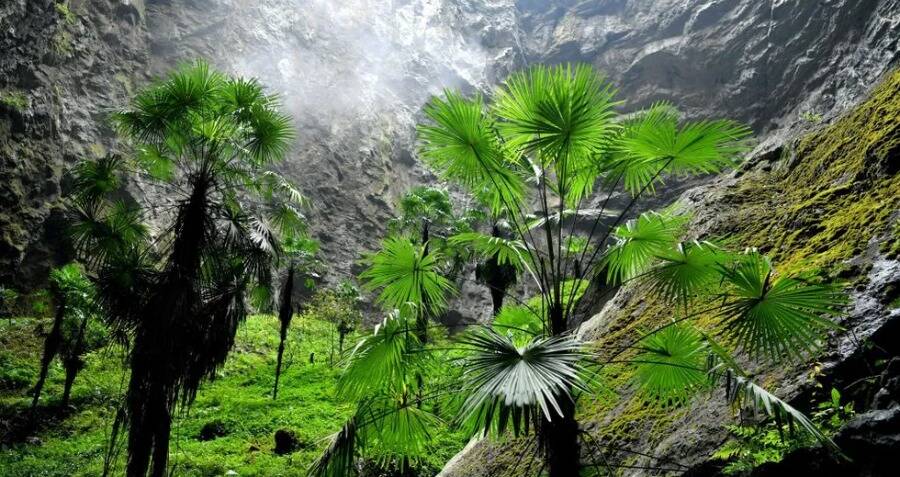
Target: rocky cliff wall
[(355, 74)]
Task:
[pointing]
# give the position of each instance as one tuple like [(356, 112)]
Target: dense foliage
[(550, 141)]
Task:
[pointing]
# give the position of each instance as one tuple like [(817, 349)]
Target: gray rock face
[(68, 67), (762, 62), (355, 74)]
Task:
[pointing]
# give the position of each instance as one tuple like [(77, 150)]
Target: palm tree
[(299, 253), (549, 142), (73, 296), (203, 142)]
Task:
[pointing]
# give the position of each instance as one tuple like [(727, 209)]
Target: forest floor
[(237, 405)]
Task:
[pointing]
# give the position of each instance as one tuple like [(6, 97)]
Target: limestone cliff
[(355, 75)]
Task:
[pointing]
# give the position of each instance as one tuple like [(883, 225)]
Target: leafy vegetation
[(752, 446), (177, 296), (551, 137), (155, 312), (75, 443), (75, 331)]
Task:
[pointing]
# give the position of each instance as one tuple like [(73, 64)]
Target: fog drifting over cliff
[(358, 58)]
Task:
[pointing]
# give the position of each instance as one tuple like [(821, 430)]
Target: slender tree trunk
[(74, 363), (144, 395), (51, 346), (285, 313), (560, 439), (72, 369), (497, 295), (422, 315), (560, 434), (163, 428), (341, 336)]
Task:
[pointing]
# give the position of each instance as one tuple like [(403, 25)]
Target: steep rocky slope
[(356, 73), (61, 69), (826, 203)]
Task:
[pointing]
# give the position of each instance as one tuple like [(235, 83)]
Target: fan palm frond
[(640, 242), (509, 384), (690, 269), (398, 426), (96, 179), (777, 316), (743, 392), (564, 113), (380, 360), (406, 275), (462, 147), (264, 236), (671, 365), (507, 251), (271, 133), (339, 457), (654, 140), (519, 322)]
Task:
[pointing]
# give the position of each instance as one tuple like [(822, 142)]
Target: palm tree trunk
[(560, 439), (74, 363), (285, 313), (51, 346), (71, 371), (560, 435), (497, 294), (158, 356), (422, 314), (161, 436)]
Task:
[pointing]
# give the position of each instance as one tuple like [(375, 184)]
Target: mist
[(358, 60)]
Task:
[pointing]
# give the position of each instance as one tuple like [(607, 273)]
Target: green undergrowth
[(240, 399), (752, 446)]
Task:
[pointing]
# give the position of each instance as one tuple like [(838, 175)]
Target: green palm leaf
[(461, 146), (690, 269), (671, 365), (563, 115), (559, 112), (521, 323), (640, 242), (509, 384), (399, 427), (654, 139), (777, 316), (507, 251), (339, 457), (94, 180), (742, 392), (381, 360), (406, 276)]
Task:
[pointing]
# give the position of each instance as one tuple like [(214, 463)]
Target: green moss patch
[(14, 99)]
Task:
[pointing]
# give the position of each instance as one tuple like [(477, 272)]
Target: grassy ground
[(74, 444)]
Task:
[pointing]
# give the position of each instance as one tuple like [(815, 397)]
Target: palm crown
[(178, 293)]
